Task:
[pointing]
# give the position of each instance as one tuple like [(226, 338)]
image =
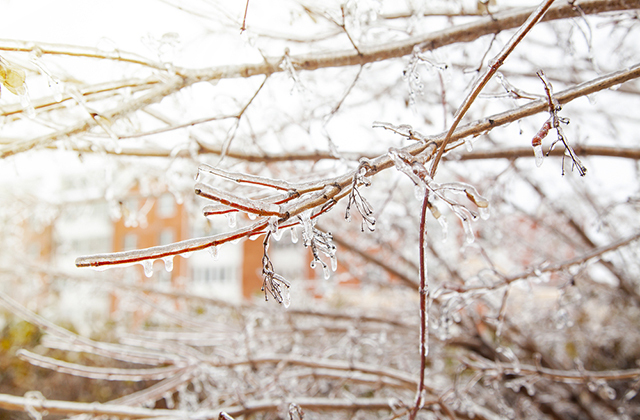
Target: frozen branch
[(482, 80)]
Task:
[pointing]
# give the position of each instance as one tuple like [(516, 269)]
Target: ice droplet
[(147, 265), (168, 263), (537, 152), (231, 218), (419, 191), (252, 216), (294, 235), (334, 263), (484, 213), (312, 264), (213, 251), (100, 267)]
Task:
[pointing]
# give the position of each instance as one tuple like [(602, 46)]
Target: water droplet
[(326, 273), (294, 235), (537, 152), (231, 218), (213, 251), (168, 263), (148, 267), (252, 216), (334, 263)]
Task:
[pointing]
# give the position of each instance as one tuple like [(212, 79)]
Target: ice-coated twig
[(259, 208), (106, 373), (177, 248), (404, 130), (593, 254), (565, 376), (482, 80), (71, 341), (554, 122), (273, 283), (356, 198), (12, 402)]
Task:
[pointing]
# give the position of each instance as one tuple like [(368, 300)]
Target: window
[(130, 241), (166, 236), (166, 206), (215, 274)]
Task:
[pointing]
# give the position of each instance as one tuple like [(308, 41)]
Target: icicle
[(484, 213), (168, 263), (294, 235), (334, 263), (277, 235), (307, 224), (468, 232), (326, 273), (286, 297), (148, 267), (537, 152), (56, 89), (168, 398), (213, 251), (312, 264), (444, 227), (231, 218), (25, 101), (510, 355), (273, 224), (468, 144)]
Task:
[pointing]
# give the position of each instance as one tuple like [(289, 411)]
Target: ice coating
[(244, 204)]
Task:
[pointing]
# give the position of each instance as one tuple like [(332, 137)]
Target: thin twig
[(424, 310), (481, 82), (244, 18)]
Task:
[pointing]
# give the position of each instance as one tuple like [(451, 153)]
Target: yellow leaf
[(12, 78)]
